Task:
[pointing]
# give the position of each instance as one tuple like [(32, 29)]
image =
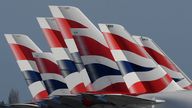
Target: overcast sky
[(167, 22)]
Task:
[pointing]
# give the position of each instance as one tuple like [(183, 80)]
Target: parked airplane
[(109, 69), (164, 61), (22, 48)]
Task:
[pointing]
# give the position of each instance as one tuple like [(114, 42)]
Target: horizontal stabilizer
[(22, 105)]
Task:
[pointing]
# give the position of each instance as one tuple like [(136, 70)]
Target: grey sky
[(168, 22)]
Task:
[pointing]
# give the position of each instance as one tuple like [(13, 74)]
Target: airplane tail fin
[(22, 47), (62, 55), (133, 60), (96, 56), (51, 74), (165, 62), (70, 42)]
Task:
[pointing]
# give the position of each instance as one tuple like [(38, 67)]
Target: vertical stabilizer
[(51, 74), (164, 61), (23, 47)]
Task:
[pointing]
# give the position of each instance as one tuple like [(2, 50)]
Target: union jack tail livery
[(23, 47), (163, 60), (62, 55), (96, 56), (89, 68), (134, 62), (51, 74), (70, 42)]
